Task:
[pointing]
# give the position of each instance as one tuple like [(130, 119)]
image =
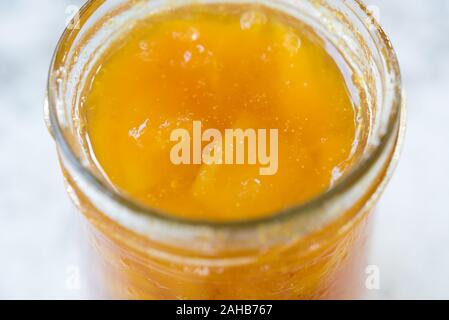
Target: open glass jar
[(314, 250)]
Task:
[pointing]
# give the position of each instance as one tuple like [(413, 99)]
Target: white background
[(38, 226)]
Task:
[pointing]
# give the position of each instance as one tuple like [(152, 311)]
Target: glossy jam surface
[(228, 67)]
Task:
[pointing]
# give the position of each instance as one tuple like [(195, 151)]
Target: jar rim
[(356, 173)]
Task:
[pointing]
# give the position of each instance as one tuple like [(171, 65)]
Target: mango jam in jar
[(226, 150)]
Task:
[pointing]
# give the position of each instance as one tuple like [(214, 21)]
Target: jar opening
[(349, 26)]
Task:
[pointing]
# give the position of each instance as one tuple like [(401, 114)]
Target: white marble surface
[(38, 226)]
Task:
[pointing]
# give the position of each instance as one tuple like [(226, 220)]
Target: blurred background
[(39, 245)]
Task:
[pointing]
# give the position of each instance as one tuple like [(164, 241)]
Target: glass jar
[(315, 250)]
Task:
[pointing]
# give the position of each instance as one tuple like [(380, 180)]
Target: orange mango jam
[(228, 67)]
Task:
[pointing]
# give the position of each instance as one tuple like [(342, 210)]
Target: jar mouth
[(351, 178)]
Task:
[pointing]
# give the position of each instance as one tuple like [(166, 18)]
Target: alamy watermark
[(73, 278), (235, 147), (374, 11), (73, 17), (372, 281)]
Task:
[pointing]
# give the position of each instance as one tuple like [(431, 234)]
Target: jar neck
[(347, 25)]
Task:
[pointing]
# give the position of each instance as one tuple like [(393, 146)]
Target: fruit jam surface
[(228, 67)]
